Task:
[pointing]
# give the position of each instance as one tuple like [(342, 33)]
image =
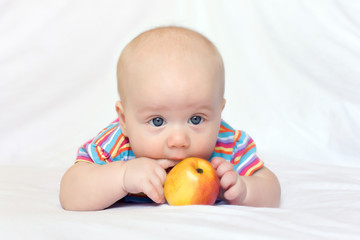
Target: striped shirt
[(111, 145)]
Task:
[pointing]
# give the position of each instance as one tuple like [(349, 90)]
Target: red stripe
[(254, 169), (225, 145), (224, 129), (123, 150), (255, 162), (224, 151)]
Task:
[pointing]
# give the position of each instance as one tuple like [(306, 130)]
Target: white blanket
[(292, 82)]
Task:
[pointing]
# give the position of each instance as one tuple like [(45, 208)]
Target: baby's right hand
[(146, 175)]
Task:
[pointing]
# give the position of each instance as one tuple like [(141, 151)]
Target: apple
[(192, 181)]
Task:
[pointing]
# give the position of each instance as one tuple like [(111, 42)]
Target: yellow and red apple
[(192, 181)]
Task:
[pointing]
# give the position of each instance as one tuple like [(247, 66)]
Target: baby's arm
[(87, 186), (262, 189)]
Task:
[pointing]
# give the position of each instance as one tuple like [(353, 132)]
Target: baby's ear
[(223, 104), (120, 111)]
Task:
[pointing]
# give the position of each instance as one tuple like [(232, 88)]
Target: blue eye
[(196, 120), (157, 122)]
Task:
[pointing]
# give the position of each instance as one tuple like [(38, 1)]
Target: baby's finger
[(229, 179), (231, 194), (161, 174), (158, 181), (152, 192), (166, 163), (224, 168), (237, 191), (217, 161)]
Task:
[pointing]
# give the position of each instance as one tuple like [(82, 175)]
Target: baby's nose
[(178, 139)]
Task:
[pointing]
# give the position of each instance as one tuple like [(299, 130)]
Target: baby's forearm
[(87, 186), (262, 190)]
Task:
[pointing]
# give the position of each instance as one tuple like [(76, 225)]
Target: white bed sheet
[(321, 204), (292, 82)]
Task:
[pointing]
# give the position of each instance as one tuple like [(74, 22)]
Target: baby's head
[(171, 86)]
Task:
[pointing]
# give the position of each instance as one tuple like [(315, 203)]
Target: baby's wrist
[(122, 176)]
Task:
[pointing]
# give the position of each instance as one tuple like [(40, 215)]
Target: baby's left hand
[(233, 188)]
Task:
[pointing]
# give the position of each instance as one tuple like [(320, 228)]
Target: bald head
[(167, 45)]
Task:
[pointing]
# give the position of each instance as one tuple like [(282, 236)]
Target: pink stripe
[(224, 145)]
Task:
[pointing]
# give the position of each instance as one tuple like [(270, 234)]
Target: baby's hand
[(146, 175), (233, 188)]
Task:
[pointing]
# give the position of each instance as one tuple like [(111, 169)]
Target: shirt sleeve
[(83, 155), (244, 157), (99, 149), (92, 153), (108, 146)]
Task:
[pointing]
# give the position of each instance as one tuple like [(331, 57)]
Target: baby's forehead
[(170, 40)]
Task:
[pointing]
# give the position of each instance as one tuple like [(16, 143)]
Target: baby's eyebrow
[(151, 108)]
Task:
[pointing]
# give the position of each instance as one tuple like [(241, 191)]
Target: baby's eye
[(196, 120), (157, 122)]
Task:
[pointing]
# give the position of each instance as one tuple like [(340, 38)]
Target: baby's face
[(172, 108)]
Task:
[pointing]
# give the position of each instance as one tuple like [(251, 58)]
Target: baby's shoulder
[(228, 132), (111, 133)]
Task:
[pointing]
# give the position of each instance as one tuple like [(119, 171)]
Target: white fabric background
[(292, 82)]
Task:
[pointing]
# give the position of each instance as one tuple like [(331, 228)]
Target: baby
[(171, 86)]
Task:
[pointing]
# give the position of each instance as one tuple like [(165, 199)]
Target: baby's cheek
[(204, 148), (147, 149), (203, 152)]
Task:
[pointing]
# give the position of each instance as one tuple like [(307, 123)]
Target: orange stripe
[(237, 136), (254, 168), (100, 154), (114, 149), (249, 147), (223, 150), (236, 160), (224, 129), (106, 134), (124, 149)]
